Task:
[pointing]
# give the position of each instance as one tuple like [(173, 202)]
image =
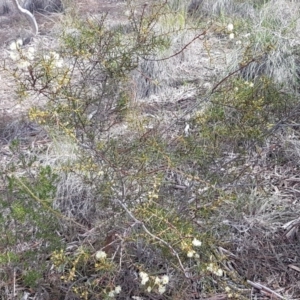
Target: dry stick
[(264, 288), (294, 268), (181, 50), (30, 17), (232, 73), (14, 283), (153, 236)]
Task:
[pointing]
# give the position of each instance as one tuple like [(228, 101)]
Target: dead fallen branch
[(265, 290)]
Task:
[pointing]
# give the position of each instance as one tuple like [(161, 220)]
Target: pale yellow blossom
[(161, 289), (196, 242), (145, 277), (111, 294), (230, 27), (157, 280), (191, 253), (165, 279), (118, 289), (100, 255)]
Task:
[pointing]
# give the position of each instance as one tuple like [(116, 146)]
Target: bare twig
[(294, 268), (174, 252), (263, 288), (181, 50), (291, 227), (30, 17), (232, 73), (14, 283)]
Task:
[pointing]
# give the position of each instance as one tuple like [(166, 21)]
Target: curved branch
[(30, 17)]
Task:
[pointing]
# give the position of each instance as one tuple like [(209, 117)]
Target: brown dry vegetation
[(199, 139)]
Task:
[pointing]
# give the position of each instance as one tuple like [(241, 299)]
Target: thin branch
[(232, 73), (154, 236), (181, 50), (261, 287)]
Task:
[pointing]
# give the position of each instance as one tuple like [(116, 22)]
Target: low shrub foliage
[(122, 203)]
